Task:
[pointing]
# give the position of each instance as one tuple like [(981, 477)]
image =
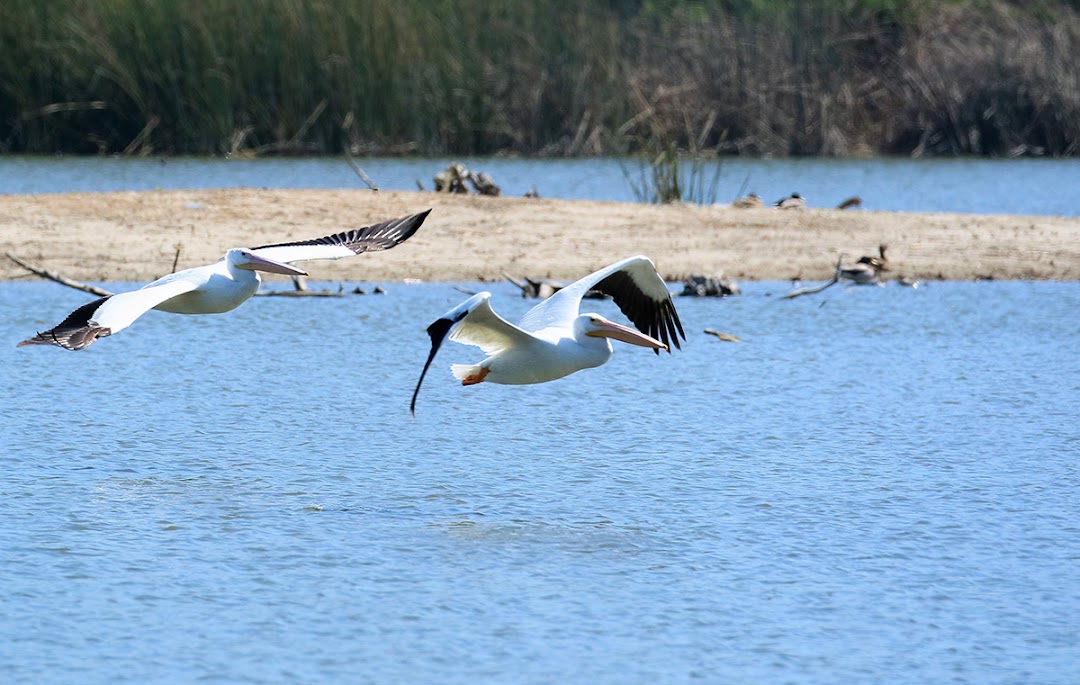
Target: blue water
[(879, 485), (984, 186)]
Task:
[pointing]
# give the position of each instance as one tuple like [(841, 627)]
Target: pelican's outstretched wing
[(381, 236), (110, 314), (635, 286), (473, 322)]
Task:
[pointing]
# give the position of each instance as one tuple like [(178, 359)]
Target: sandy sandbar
[(134, 236)]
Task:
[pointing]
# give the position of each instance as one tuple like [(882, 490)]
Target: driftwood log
[(709, 286), (454, 178), (545, 288)]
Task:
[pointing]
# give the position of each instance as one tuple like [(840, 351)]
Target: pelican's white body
[(219, 287), (537, 357)]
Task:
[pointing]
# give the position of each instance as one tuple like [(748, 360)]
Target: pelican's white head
[(596, 326), (243, 258)]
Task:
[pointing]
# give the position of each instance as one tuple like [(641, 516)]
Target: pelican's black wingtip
[(409, 225), (76, 331)]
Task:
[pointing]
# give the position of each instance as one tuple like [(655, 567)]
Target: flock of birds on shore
[(793, 201), (552, 340)]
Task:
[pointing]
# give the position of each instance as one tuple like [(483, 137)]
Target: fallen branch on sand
[(52, 276), (360, 172), (299, 284)]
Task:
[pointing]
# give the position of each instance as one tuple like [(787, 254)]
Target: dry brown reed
[(762, 77)]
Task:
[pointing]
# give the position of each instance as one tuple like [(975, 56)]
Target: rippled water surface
[(879, 485), (984, 186)]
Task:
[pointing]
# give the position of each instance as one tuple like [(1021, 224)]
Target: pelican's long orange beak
[(257, 263), (610, 329)]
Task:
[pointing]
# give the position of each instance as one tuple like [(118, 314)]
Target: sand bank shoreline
[(134, 236)]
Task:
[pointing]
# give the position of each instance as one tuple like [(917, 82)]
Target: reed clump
[(760, 77), (666, 172)]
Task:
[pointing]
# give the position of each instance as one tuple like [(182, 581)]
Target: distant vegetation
[(561, 77)]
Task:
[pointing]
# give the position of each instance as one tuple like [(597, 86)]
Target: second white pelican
[(553, 339), (218, 287)]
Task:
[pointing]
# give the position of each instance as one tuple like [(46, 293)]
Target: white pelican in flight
[(553, 339), (221, 286)]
